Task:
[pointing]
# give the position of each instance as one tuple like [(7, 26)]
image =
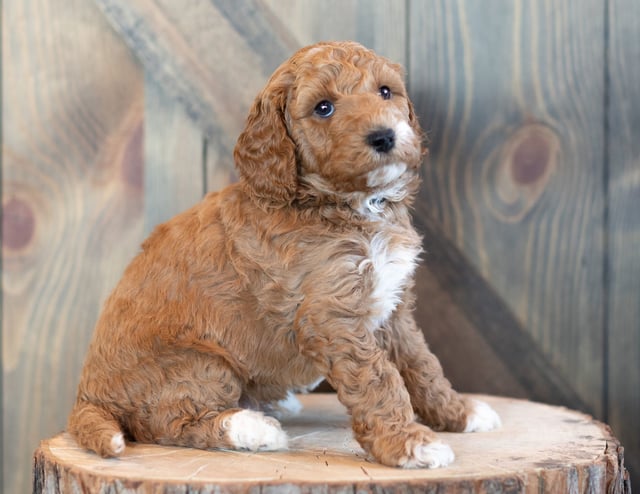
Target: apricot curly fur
[(303, 269)]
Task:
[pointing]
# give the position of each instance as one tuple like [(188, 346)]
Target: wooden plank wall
[(516, 168), (72, 170), (530, 205), (514, 178), (623, 227)]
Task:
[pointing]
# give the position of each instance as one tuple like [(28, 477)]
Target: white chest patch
[(393, 265)]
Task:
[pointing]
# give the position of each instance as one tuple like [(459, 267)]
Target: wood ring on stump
[(540, 448)]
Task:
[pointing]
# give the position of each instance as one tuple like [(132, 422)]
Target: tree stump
[(539, 448)]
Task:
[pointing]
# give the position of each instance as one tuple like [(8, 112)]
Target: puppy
[(300, 271)]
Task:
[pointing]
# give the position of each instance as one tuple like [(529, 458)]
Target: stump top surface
[(322, 450)]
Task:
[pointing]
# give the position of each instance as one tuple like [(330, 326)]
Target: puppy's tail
[(96, 429)]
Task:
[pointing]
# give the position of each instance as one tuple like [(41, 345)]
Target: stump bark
[(539, 448)]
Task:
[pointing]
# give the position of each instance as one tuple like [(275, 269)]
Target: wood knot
[(522, 171), (530, 159), (18, 224)]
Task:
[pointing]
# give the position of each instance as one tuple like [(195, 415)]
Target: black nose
[(382, 140)]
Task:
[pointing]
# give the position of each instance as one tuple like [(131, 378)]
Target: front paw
[(435, 454), (414, 447), (482, 418)]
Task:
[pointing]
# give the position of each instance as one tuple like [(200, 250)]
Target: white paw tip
[(432, 455), (484, 418), (117, 443), (254, 431)]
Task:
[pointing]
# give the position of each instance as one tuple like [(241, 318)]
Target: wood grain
[(197, 53), (512, 103), (468, 297), (624, 228), (377, 24), (219, 167), (324, 457), (469, 361), (173, 149), (71, 195)]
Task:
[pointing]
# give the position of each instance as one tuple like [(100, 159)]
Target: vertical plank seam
[(606, 227)]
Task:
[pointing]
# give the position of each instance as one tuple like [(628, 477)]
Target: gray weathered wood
[(197, 52), (377, 24), (512, 103), (174, 154), (624, 228), (468, 299), (72, 112)]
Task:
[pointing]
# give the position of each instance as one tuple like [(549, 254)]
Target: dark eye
[(385, 92), (324, 109)]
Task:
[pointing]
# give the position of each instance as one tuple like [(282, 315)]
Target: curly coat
[(300, 271)]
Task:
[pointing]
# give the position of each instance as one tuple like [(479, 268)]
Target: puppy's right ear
[(265, 153)]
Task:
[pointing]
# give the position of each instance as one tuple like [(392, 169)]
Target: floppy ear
[(265, 153)]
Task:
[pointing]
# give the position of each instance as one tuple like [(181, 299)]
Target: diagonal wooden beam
[(477, 301), (265, 33), (212, 56)]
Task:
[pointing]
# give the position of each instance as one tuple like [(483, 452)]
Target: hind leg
[(197, 406), (96, 429)]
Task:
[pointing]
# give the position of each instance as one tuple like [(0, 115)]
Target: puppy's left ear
[(265, 153)]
